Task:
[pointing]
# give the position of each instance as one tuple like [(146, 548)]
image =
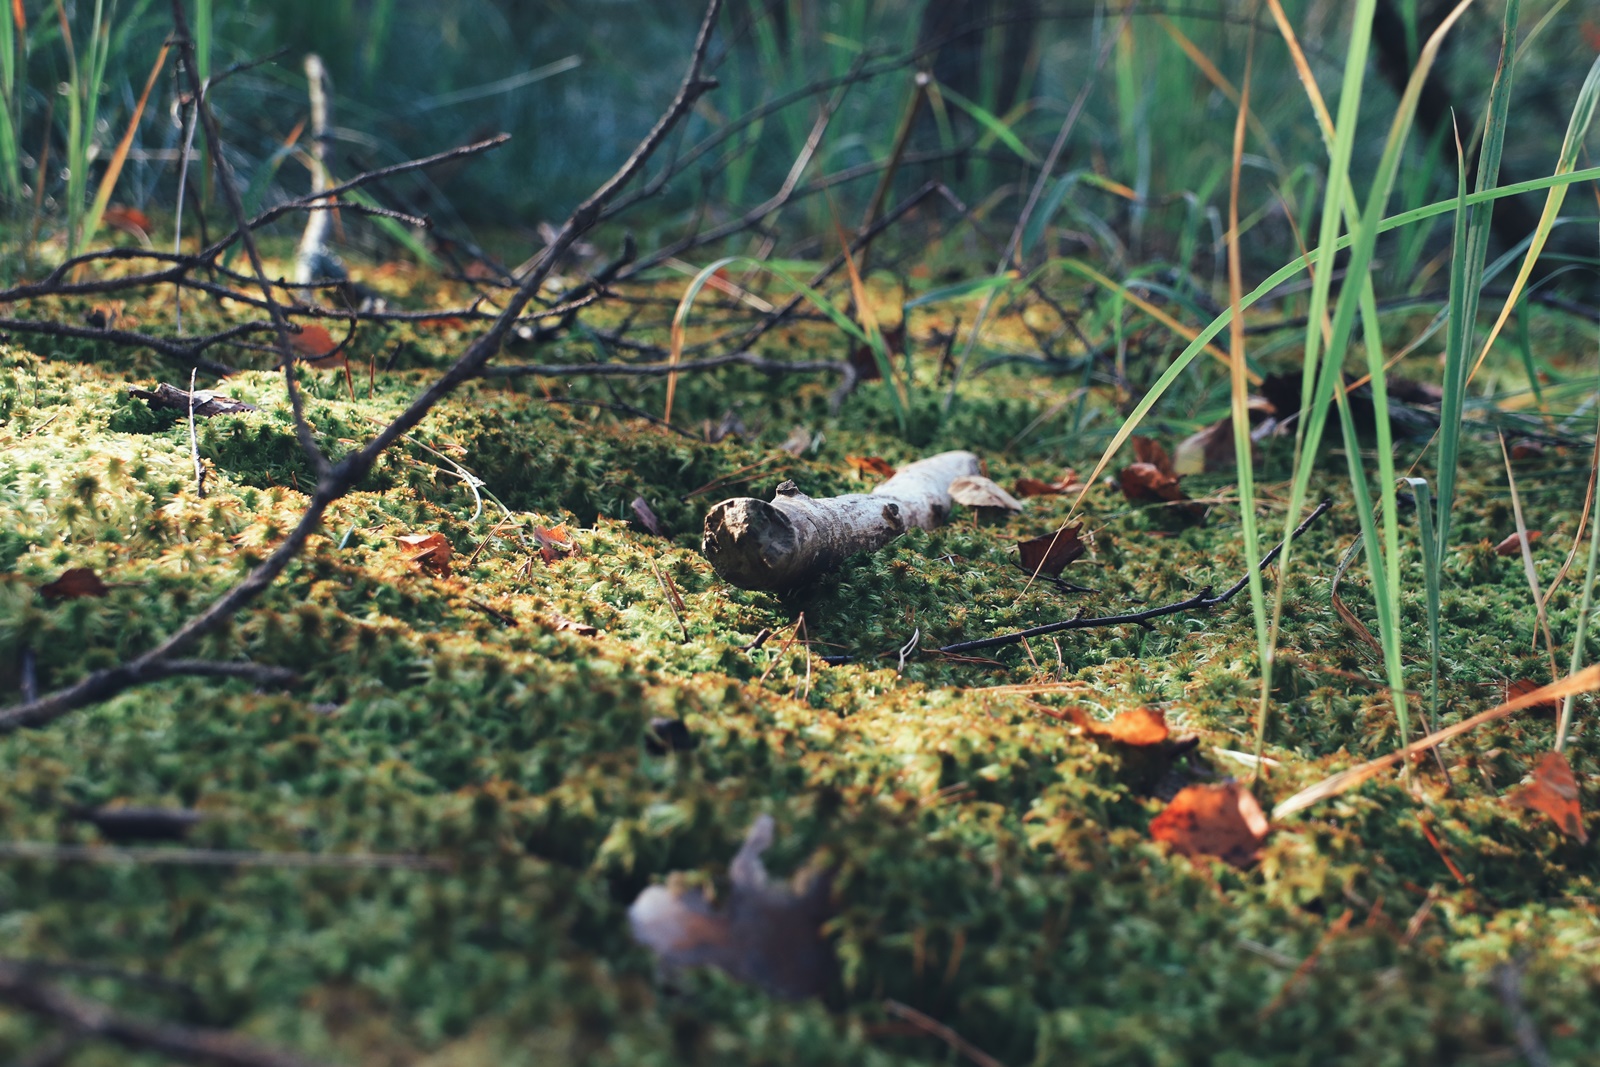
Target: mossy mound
[(993, 865)]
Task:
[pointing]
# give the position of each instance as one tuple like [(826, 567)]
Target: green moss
[(993, 865)]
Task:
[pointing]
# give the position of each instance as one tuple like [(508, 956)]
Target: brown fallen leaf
[(105, 316), (554, 543), (1051, 553), (1522, 448), (1523, 686), (768, 935), (865, 363), (1553, 791), (645, 516), (1149, 450), (976, 491), (73, 583), (430, 551), (582, 629), (1213, 820), (1512, 546), (874, 465), (1067, 483)]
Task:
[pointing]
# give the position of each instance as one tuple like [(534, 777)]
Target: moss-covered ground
[(994, 866)]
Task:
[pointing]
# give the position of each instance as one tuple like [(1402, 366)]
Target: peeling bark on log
[(783, 544)]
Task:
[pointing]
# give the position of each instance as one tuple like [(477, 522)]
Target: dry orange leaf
[(73, 583), (430, 551), (554, 543), (767, 934), (1512, 546), (1553, 791), (1139, 727), (313, 344), (1051, 553), (1213, 820), (871, 465)]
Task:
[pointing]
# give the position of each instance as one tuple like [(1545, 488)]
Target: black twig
[(1202, 601)]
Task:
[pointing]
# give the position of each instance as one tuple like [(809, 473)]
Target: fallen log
[(778, 545)]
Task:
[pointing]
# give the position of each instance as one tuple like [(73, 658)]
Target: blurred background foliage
[(578, 83)]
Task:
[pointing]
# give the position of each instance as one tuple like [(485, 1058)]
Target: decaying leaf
[(206, 402), (1067, 483), (1512, 546), (105, 316), (976, 491), (73, 583), (874, 465), (1152, 479), (1522, 448), (1522, 687), (430, 551), (767, 935), (1213, 820), (582, 629), (645, 516), (1553, 791), (1051, 553), (554, 543)]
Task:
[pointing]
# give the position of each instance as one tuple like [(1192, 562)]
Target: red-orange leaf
[(1213, 820), (554, 543), (1051, 553), (1553, 791), (430, 551), (73, 583), (1067, 483), (129, 220), (1138, 727), (313, 344)]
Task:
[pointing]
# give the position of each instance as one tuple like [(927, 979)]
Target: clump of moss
[(993, 867)]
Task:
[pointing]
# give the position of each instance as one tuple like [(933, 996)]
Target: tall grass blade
[(1430, 577), (1466, 270)]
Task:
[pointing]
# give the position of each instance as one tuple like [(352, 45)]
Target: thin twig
[(1202, 601), (934, 1028)]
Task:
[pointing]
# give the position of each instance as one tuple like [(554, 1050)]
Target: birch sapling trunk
[(783, 544)]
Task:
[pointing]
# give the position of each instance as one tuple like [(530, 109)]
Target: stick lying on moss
[(779, 545)]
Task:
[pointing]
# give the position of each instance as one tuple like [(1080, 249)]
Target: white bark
[(313, 262), (785, 543)]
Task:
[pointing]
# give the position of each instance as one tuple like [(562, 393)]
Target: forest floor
[(995, 896)]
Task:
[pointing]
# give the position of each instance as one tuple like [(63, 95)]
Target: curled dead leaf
[(129, 220), (1512, 546), (1213, 820), (1149, 450), (1553, 791), (316, 346), (582, 629), (1139, 727), (1067, 483), (1051, 553), (1522, 448), (75, 582), (430, 551), (768, 935), (976, 491), (1210, 449)]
